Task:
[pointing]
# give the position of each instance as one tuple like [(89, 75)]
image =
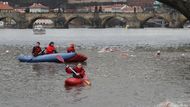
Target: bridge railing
[(86, 12)]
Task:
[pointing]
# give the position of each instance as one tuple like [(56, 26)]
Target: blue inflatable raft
[(45, 58)]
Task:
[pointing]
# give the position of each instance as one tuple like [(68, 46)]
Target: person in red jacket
[(51, 48), (80, 72), (71, 48), (36, 51)]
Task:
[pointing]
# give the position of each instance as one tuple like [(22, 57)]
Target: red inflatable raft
[(77, 58), (76, 81)]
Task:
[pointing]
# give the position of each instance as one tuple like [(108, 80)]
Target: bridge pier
[(176, 20), (22, 25), (59, 22), (96, 21), (134, 22)]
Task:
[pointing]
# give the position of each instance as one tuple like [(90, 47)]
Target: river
[(139, 80)]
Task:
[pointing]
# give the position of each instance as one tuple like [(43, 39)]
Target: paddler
[(79, 70), (71, 48), (36, 51), (51, 48)]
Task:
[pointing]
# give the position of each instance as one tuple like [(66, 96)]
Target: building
[(5, 7), (20, 9), (119, 8), (157, 5), (142, 3), (38, 8), (132, 9), (88, 1)]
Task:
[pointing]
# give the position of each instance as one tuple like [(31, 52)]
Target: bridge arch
[(84, 21), (32, 21), (121, 21), (9, 21), (185, 24), (181, 5), (142, 25)]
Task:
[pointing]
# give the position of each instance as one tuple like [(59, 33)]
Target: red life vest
[(36, 50), (70, 49), (81, 71), (50, 49)]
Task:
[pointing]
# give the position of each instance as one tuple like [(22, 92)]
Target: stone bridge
[(17, 17), (181, 5), (134, 20)]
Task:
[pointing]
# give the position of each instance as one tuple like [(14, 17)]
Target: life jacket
[(36, 50), (81, 72), (70, 49), (50, 49)]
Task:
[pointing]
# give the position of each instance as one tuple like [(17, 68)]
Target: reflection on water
[(44, 69), (75, 93)]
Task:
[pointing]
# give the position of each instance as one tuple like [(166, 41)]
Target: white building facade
[(38, 8)]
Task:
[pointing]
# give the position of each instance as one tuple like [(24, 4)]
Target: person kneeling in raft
[(71, 48), (79, 71), (51, 48), (37, 50)]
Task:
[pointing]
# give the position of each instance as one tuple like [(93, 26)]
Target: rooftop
[(38, 5), (5, 6)]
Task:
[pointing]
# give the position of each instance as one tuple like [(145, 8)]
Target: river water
[(139, 80)]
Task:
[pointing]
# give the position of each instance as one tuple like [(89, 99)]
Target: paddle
[(60, 58), (42, 52), (85, 79), (73, 71)]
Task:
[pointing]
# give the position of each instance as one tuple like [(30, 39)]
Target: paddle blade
[(85, 77), (86, 82), (60, 58)]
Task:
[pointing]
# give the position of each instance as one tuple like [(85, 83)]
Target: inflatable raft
[(68, 57), (76, 81)]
